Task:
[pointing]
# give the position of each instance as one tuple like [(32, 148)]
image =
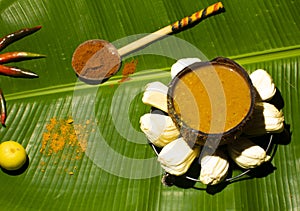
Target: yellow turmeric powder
[(62, 133)]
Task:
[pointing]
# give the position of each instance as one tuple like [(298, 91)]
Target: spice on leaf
[(129, 68), (61, 134)]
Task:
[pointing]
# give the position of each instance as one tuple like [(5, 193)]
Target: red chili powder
[(129, 68), (96, 60)]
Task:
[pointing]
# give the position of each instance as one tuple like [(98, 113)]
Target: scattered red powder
[(129, 68)]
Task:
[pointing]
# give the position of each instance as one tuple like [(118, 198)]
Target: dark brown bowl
[(193, 134)]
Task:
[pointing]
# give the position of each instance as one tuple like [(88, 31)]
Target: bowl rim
[(217, 61)]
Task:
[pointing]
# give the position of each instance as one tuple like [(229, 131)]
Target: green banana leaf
[(118, 169)]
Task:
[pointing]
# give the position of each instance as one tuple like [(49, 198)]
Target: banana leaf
[(117, 170)]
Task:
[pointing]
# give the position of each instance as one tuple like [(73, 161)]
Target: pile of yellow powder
[(61, 134)]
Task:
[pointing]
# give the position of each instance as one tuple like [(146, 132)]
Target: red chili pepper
[(10, 38), (16, 72), (2, 108), (14, 57), (18, 56)]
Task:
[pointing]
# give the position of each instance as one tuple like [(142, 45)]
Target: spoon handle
[(178, 26), (197, 17)]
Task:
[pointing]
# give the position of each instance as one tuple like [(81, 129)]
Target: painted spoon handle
[(197, 17), (180, 25)]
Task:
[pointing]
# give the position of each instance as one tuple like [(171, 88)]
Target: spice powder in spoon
[(96, 60)]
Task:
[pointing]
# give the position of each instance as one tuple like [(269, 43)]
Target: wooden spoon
[(95, 61)]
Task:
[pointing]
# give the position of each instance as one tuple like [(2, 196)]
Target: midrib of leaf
[(243, 59), (145, 75), (267, 55)]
